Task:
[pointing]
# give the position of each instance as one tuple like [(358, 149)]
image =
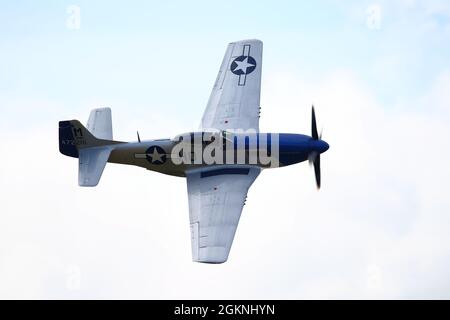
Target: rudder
[(73, 136)]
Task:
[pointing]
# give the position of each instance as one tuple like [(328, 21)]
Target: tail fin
[(93, 153), (73, 137)]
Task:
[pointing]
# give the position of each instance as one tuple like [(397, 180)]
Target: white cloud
[(378, 228), (384, 178)]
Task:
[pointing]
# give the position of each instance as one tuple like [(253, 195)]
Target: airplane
[(220, 161)]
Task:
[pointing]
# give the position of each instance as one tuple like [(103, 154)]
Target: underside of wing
[(235, 97), (216, 198)]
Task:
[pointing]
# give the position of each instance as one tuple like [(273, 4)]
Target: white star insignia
[(156, 156), (243, 65)]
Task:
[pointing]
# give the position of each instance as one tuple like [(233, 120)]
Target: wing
[(216, 198), (234, 100)]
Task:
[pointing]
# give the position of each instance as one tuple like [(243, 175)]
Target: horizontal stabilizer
[(91, 163), (100, 123)]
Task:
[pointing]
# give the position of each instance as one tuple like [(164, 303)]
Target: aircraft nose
[(325, 146), (322, 146)]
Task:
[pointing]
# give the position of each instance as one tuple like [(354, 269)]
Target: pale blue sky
[(133, 51)]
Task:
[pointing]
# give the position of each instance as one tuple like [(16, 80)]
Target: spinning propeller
[(314, 156)]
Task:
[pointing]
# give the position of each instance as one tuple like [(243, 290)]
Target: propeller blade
[(317, 170), (312, 157), (314, 133), (139, 138)]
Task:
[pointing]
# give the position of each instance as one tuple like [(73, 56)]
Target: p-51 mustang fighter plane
[(220, 161)]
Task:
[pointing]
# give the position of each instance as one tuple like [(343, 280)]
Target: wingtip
[(249, 40), (210, 261)]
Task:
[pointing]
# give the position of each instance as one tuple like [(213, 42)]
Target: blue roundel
[(243, 65), (155, 155)]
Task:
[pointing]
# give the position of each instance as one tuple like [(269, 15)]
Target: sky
[(378, 73)]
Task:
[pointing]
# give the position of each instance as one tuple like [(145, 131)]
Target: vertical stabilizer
[(92, 146)]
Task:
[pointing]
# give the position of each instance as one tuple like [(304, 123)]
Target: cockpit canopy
[(203, 137)]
